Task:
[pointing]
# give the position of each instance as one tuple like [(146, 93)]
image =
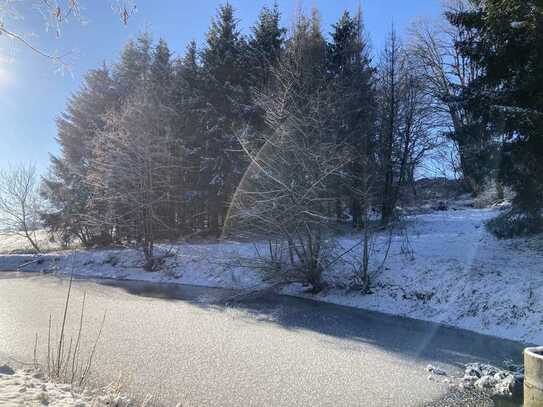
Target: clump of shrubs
[(513, 223)]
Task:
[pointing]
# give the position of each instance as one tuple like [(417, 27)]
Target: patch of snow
[(492, 380), (436, 370), (29, 387)]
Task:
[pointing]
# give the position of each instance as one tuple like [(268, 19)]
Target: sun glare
[(6, 76)]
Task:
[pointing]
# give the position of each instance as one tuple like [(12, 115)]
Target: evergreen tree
[(65, 187), (305, 54), (262, 55), (264, 46), (190, 105), (161, 73), (509, 48), (134, 65), (161, 93), (227, 101), (354, 104)]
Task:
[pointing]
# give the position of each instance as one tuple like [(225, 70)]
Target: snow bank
[(450, 270), (29, 388), (484, 380), (493, 380), (197, 264)]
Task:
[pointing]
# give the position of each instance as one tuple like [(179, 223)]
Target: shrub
[(514, 223)]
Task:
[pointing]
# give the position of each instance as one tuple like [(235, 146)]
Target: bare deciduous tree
[(129, 176), (20, 203), (406, 122), (447, 73), (285, 193)]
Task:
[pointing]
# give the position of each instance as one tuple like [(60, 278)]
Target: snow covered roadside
[(459, 275), (452, 271), (195, 264), (28, 387)]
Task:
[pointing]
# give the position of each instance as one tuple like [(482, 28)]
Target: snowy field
[(449, 270), (19, 244)]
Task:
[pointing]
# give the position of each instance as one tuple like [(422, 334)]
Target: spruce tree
[(509, 48), (263, 53), (227, 99), (264, 46), (190, 105), (65, 186), (134, 65), (351, 74)]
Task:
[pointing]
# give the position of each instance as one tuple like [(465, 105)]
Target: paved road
[(180, 343)]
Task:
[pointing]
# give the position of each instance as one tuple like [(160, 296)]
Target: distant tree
[(448, 74), (391, 73), (20, 203), (406, 121)]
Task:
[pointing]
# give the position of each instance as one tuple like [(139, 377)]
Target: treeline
[(151, 147), (156, 146)]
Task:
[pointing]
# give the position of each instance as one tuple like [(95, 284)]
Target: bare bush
[(285, 193), (65, 361)]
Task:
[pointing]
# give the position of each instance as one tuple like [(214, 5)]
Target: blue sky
[(33, 93)]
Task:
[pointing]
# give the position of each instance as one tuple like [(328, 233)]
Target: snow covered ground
[(28, 387), (460, 275), (449, 270), (19, 244)]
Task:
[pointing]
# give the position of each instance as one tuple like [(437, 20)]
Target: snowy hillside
[(449, 270)]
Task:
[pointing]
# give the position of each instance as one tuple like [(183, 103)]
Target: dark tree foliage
[(509, 48), (65, 188), (227, 100), (351, 74), (189, 126), (265, 45), (263, 53), (150, 150), (133, 66)]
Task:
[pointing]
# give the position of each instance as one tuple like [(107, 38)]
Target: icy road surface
[(181, 344)]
